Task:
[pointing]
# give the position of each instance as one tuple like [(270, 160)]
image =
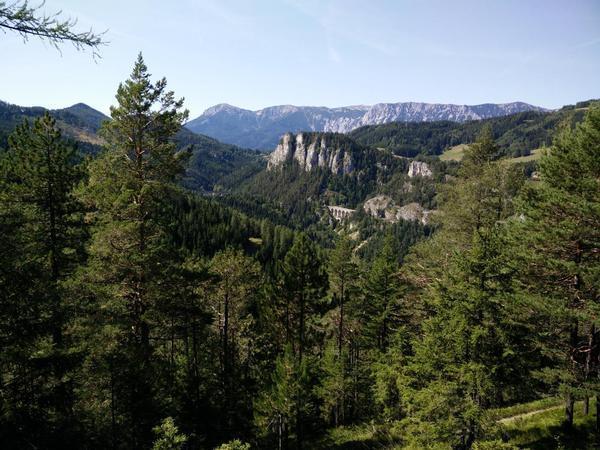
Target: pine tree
[(469, 356), (233, 296), (168, 436), (343, 278), (304, 285), (381, 291), (559, 237), (333, 387), (41, 241), (469, 351), (132, 266), (276, 410)]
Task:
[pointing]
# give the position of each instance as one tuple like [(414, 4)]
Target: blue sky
[(257, 53)]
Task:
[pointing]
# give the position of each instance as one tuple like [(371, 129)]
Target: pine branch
[(28, 21)]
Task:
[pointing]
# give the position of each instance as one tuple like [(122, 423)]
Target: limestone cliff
[(312, 150), (419, 169), (384, 207)]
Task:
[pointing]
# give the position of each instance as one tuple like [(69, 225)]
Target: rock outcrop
[(383, 207), (312, 150), (377, 206), (419, 169), (413, 212)]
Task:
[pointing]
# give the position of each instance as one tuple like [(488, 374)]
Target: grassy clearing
[(542, 430), (534, 156), (524, 408), (545, 431), (455, 153), (364, 436)]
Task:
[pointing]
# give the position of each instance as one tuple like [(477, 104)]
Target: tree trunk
[(299, 435), (112, 408), (598, 414), (569, 410), (279, 433), (341, 324), (301, 334), (569, 400), (598, 406), (226, 338), (588, 367), (470, 438)]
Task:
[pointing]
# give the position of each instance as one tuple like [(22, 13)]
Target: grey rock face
[(419, 169), (261, 129), (383, 207), (311, 151), (377, 205), (413, 212)]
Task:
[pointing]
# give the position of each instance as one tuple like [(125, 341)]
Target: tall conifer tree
[(560, 239), (41, 240), (132, 263)]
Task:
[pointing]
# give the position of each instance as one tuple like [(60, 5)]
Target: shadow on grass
[(355, 445), (557, 437), (357, 438)]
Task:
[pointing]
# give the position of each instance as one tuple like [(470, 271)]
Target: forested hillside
[(394, 303), (213, 165), (517, 134)]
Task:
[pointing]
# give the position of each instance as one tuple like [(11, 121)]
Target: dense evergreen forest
[(137, 314)]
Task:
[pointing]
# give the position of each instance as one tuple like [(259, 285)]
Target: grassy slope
[(535, 425), (455, 153), (525, 408), (534, 156), (544, 430)]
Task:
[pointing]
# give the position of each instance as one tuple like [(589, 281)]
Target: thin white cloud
[(585, 44), (337, 21), (334, 55), (220, 10)]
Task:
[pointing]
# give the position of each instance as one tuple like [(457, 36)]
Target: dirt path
[(511, 419)]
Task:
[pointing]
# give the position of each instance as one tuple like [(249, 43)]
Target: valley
[(399, 275)]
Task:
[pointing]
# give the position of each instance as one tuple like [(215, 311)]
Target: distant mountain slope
[(213, 165), (517, 134), (261, 129), (78, 122), (88, 116)]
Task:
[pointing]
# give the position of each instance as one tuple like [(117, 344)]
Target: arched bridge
[(340, 213)]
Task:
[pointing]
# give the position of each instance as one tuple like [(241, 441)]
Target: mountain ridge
[(213, 165), (261, 129)]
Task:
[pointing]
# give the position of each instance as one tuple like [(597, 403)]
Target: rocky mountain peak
[(223, 108), (261, 129)]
